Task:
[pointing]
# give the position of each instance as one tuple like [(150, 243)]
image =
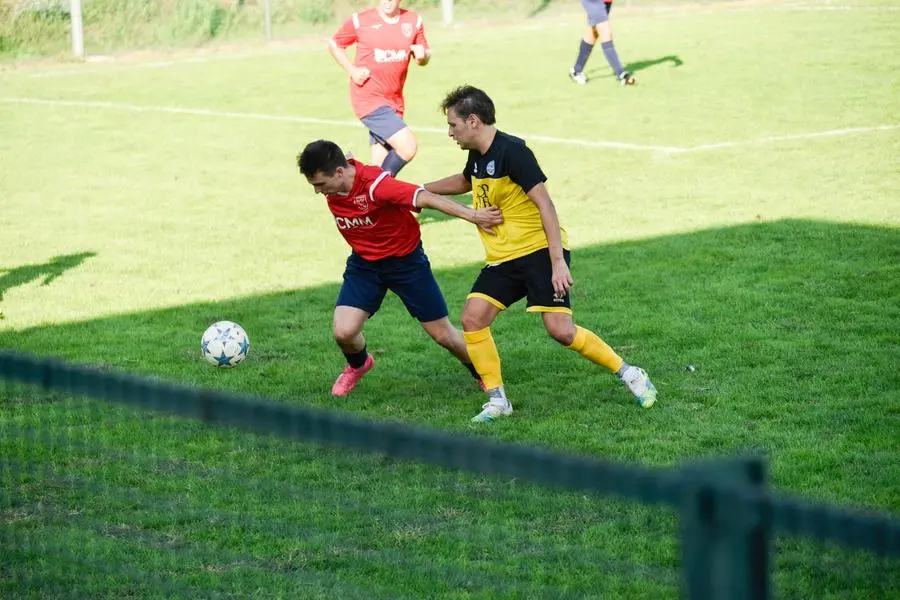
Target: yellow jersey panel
[(501, 178)]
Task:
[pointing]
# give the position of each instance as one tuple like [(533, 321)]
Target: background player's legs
[(596, 12), (403, 148), (599, 28), (379, 153), (387, 127), (603, 32)]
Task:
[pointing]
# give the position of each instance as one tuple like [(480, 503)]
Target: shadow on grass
[(791, 325), (702, 298), (600, 70), (49, 270)]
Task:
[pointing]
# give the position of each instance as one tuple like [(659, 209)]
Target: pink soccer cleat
[(349, 377)]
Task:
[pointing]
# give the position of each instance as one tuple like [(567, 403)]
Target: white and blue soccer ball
[(224, 344)]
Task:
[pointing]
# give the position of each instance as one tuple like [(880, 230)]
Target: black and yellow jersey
[(501, 177)]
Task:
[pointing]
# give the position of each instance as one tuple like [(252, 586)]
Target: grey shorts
[(597, 11), (382, 123)]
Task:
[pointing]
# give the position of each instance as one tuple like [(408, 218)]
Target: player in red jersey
[(386, 39), (372, 210)]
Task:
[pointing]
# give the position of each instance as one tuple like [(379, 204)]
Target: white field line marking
[(538, 138), (772, 139), (315, 121), (113, 65)]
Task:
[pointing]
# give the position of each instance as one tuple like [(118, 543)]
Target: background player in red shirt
[(598, 27), (372, 210), (386, 39)]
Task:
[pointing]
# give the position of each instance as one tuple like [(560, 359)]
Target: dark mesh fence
[(103, 501), (138, 489)]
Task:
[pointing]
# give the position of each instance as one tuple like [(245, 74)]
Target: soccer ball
[(224, 344)]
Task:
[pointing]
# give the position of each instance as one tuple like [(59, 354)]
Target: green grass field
[(736, 211)]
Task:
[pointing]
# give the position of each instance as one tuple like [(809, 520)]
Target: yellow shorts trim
[(549, 309), (487, 298)]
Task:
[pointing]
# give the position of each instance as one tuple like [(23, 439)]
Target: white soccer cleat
[(638, 382), (491, 411), (580, 78), (497, 406)]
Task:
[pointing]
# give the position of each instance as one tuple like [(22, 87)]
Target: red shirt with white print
[(383, 47), (375, 216)]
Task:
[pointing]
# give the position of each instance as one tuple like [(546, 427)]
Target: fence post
[(77, 22), (724, 547)]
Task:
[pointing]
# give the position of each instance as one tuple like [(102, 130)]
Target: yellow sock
[(484, 355), (589, 345)]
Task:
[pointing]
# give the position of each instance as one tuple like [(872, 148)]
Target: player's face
[(460, 130), (325, 184), (389, 7)]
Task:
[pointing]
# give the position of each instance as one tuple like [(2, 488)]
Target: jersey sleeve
[(419, 37), (524, 168), (345, 36), (387, 190)]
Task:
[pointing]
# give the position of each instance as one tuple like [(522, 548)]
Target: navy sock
[(584, 51), (612, 57), (357, 359), (393, 162), (472, 370)]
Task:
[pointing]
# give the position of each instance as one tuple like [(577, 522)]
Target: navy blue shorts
[(383, 122), (367, 281), (597, 11)]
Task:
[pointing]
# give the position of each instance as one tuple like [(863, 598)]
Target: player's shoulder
[(410, 16), (367, 16), (510, 144)]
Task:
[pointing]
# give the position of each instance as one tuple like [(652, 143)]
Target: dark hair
[(468, 100), (321, 155)]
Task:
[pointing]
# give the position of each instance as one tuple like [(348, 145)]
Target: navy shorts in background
[(382, 123), (597, 11), (367, 281)]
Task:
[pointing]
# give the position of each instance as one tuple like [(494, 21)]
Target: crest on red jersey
[(406, 28), (361, 203)]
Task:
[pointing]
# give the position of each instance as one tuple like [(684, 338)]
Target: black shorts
[(528, 276)]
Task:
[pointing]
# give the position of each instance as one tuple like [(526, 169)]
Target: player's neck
[(348, 179), (487, 138), (391, 19)]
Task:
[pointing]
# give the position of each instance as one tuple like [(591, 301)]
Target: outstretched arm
[(485, 218), (450, 186)]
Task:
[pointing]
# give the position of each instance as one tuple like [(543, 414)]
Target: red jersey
[(383, 47), (375, 216)]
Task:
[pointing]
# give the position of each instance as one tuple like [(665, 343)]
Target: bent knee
[(344, 335)]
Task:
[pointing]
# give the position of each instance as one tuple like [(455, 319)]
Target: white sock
[(498, 396)]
